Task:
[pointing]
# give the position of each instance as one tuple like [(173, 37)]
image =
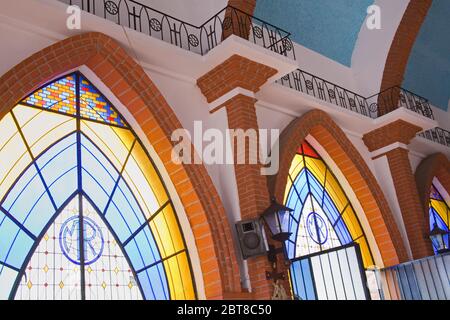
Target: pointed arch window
[(323, 217), (439, 212), (84, 213)]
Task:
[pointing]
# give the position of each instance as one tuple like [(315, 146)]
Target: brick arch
[(134, 89), (319, 125), (437, 165), (403, 42)]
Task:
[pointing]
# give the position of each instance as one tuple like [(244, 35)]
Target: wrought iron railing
[(373, 106), (198, 39), (437, 135), (397, 97), (310, 84)]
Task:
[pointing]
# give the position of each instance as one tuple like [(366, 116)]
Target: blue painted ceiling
[(428, 69), (330, 27)]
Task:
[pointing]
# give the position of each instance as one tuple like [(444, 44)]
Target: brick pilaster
[(239, 72), (240, 19), (403, 177)]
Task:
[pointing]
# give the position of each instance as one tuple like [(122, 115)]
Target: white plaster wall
[(372, 47)]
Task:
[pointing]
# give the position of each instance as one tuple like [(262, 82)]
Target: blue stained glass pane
[(31, 205), (316, 187), (40, 215), (301, 185), (152, 285), (20, 249), (115, 219), (302, 280), (60, 149), (20, 189), (436, 218), (342, 232), (94, 190), (94, 162), (330, 209), (58, 168), (64, 186), (290, 248), (128, 207), (142, 250), (15, 244)]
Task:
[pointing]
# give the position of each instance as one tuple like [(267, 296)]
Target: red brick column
[(240, 21), (239, 72), (403, 178)]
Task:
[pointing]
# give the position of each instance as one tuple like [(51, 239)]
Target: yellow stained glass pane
[(179, 277), (336, 193), (317, 168), (24, 114), (114, 142), (441, 209), (167, 232), (288, 188), (296, 166), (365, 252), (352, 223), (144, 181), (42, 128), (14, 158), (8, 129)]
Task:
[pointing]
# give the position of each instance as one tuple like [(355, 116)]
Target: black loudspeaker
[(251, 238)]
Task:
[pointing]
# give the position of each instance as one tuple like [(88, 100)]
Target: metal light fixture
[(438, 238), (276, 216)]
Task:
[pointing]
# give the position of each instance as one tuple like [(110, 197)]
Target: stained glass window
[(439, 212), (84, 213), (323, 217)]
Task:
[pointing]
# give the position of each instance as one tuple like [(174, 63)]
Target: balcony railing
[(437, 135), (397, 97), (327, 91), (373, 106), (198, 39)]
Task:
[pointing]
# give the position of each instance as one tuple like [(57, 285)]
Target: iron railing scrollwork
[(373, 106), (397, 97), (327, 91), (197, 39), (437, 135)]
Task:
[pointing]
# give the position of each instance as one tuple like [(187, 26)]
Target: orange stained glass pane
[(94, 106), (336, 193), (114, 142), (352, 223), (58, 96), (41, 128), (167, 233), (317, 168), (441, 209), (179, 277)]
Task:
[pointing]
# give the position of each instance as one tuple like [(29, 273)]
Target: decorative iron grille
[(198, 39)]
